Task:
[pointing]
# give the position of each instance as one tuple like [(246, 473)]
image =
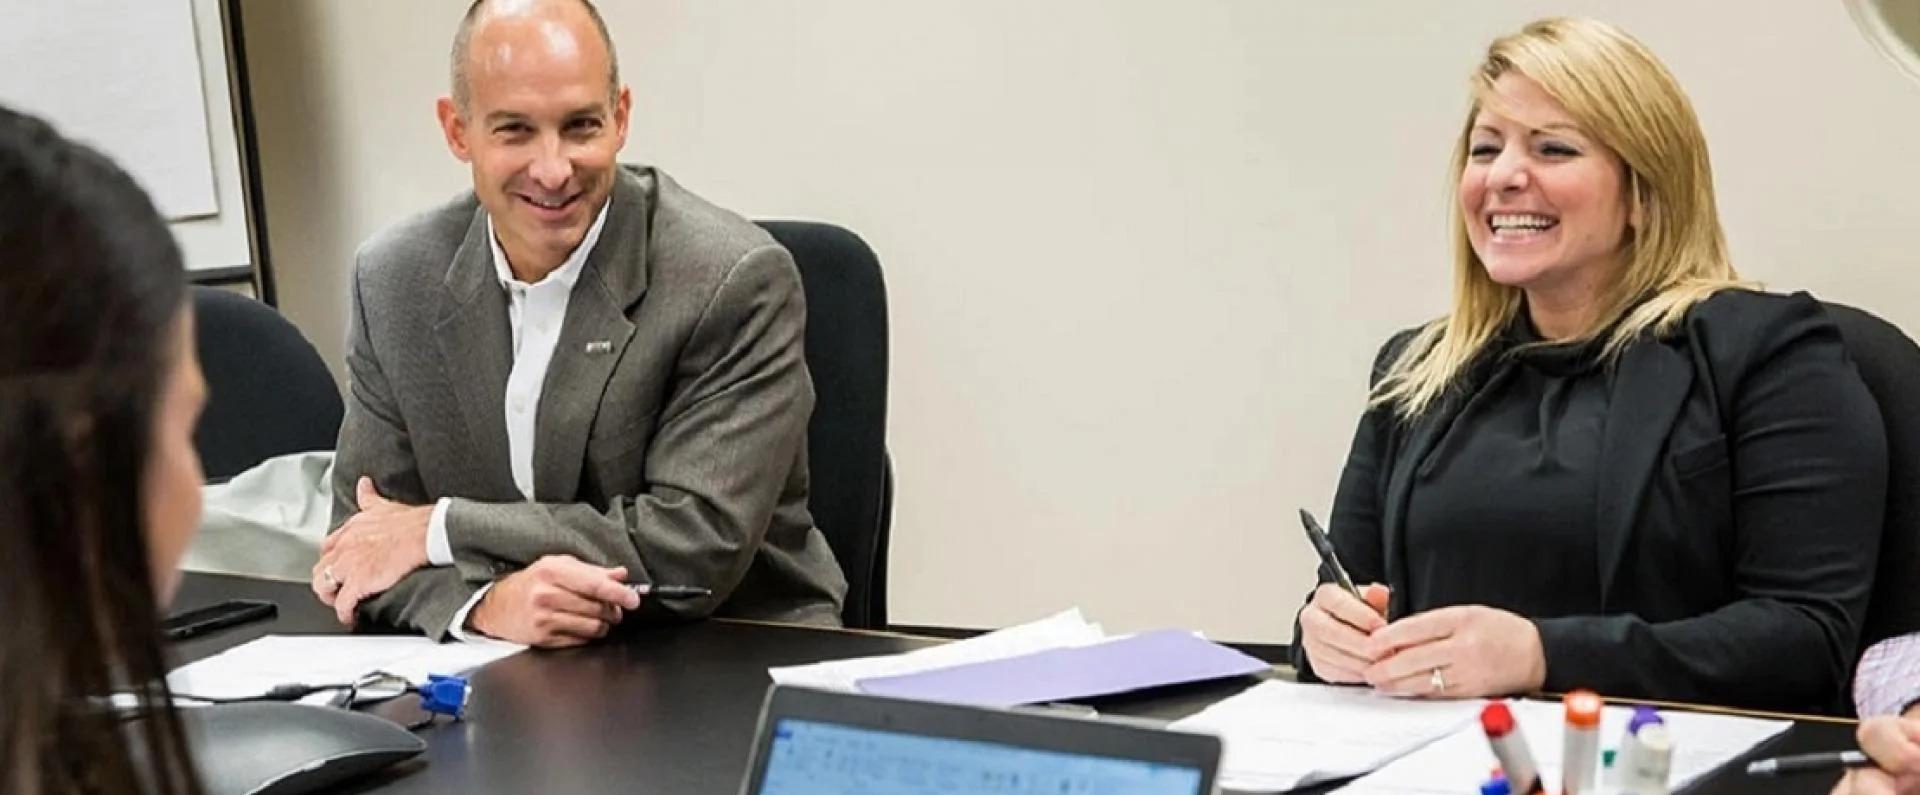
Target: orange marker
[(1580, 742)]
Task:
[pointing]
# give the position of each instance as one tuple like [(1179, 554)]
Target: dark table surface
[(673, 708)]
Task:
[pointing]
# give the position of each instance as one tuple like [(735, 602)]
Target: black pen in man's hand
[(671, 591), (1823, 762)]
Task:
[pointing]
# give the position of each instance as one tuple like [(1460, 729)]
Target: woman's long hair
[(1675, 256), (91, 290)]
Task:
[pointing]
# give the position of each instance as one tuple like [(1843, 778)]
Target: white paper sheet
[(256, 667), (1701, 742), (1068, 628), (1280, 735)]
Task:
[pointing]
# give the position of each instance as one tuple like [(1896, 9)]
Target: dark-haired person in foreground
[(99, 478)]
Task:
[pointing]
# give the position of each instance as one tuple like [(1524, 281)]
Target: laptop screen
[(816, 758)]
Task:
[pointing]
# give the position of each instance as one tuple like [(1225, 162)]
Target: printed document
[(1281, 735), (1459, 763), (253, 668)]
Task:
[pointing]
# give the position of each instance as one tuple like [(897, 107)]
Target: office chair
[(846, 348), (268, 392), (1889, 363)]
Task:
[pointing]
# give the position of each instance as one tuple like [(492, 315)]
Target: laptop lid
[(813, 742)]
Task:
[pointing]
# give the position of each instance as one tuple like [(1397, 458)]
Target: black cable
[(286, 692), (434, 697)]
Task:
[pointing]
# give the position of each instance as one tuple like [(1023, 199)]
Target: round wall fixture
[(1894, 28)]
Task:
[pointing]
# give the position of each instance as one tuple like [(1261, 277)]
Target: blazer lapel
[(1424, 433), (1650, 386), (477, 350), (593, 337)]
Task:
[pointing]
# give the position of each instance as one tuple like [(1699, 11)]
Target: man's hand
[(371, 551), (559, 601), (1479, 651), (1894, 746)]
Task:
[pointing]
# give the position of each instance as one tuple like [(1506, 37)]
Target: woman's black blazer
[(1742, 483)]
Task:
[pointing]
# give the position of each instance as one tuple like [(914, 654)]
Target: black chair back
[(268, 392), (1889, 363), (852, 476)]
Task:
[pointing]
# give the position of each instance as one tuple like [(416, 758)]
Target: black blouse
[(1502, 508)]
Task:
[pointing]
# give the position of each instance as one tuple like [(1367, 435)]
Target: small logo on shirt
[(599, 346)]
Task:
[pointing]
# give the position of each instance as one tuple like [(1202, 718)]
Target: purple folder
[(1151, 659)]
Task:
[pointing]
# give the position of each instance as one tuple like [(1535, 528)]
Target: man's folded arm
[(374, 443)]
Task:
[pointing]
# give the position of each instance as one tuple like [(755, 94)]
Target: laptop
[(813, 742)]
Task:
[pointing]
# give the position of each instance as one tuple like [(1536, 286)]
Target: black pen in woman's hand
[(1823, 762), (1324, 546), (671, 591)]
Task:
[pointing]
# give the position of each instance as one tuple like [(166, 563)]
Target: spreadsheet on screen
[(815, 758)]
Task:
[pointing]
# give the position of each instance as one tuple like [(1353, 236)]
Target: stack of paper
[(1701, 742), (253, 668), (1121, 665), (1064, 630), (1060, 658), (1281, 735)]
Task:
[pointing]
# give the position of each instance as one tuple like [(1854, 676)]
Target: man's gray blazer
[(671, 432)]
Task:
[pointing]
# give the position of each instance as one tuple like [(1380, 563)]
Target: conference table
[(673, 708)]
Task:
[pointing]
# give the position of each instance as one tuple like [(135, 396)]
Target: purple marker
[(1628, 757)]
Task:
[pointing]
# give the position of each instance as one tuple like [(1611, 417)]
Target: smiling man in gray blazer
[(577, 378)]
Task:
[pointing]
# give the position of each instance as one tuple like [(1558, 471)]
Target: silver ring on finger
[(1438, 681), (333, 583)]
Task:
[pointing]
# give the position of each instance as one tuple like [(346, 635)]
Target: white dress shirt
[(535, 312)]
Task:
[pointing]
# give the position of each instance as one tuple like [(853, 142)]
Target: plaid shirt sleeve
[(1888, 679)]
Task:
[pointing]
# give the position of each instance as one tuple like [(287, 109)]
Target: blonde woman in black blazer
[(1612, 465)]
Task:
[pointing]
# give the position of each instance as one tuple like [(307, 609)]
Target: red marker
[(1510, 747)]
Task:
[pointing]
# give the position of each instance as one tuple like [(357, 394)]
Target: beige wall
[(1139, 253)]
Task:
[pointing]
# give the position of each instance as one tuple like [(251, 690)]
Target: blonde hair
[(1675, 255)]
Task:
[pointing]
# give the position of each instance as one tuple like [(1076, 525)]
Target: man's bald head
[(538, 112), (462, 55)]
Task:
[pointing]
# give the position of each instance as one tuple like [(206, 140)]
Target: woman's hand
[(1477, 651), (1334, 627)]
